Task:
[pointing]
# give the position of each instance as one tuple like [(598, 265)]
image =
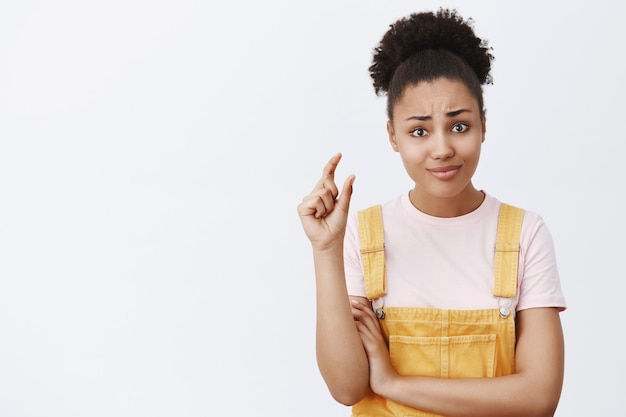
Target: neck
[(458, 205)]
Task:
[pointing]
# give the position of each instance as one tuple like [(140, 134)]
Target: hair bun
[(427, 30)]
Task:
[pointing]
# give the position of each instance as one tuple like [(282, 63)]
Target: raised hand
[(324, 212)]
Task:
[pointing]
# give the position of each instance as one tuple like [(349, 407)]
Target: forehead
[(431, 97)]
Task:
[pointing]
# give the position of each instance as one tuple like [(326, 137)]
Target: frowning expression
[(438, 129)]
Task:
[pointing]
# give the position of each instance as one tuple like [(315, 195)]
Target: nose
[(441, 147)]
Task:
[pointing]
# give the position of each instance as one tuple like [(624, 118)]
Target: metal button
[(504, 312)]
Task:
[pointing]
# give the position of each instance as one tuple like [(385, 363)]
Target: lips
[(445, 173)]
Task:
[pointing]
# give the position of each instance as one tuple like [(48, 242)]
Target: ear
[(484, 122), (392, 136)]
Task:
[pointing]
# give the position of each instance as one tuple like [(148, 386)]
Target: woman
[(443, 301)]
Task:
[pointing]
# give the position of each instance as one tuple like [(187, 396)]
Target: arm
[(534, 389), (340, 353)]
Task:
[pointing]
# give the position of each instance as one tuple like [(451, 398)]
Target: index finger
[(331, 166), (328, 176)]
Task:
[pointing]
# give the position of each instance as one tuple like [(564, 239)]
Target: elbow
[(548, 399), (543, 406), (348, 391), (547, 408), (347, 386), (543, 412), (349, 397)]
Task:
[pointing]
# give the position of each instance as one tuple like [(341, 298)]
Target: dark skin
[(352, 353)]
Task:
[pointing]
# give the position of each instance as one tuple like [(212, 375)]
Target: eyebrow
[(453, 113)]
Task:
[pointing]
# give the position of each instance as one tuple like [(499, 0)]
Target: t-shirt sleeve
[(540, 284), (352, 259)]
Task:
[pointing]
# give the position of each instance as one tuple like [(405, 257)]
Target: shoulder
[(534, 232), (532, 221), (533, 227)]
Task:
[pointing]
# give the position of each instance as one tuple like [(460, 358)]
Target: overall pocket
[(469, 356)]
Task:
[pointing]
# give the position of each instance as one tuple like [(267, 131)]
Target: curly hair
[(426, 46)]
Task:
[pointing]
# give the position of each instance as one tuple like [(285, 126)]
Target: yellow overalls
[(442, 343)]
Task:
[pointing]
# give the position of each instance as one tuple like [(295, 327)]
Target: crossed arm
[(353, 357), (534, 389)]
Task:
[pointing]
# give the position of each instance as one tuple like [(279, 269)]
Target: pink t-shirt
[(448, 262)]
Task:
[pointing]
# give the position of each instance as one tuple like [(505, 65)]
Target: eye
[(420, 132), (460, 128)]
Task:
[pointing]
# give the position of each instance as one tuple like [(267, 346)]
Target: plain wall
[(153, 153)]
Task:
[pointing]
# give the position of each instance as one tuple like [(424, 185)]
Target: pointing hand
[(324, 212)]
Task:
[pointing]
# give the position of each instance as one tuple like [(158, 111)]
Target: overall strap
[(372, 251), (506, 262)]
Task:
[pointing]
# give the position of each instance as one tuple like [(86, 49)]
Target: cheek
[(470, 150), (414, 162), (413, 153)]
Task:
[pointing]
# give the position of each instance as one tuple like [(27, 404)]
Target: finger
[(369, 336), (327, 199), (317, 204), (328, 175), (346, 194), (366, 308), (367, 318), (363, 313), (326, 183), (359, 300), (331, 166)]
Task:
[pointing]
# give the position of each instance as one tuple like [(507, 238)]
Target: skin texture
[(340, 352), (438, 131), (439, 126), (534, 390)]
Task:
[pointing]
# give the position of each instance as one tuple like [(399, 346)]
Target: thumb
[(346, 194)]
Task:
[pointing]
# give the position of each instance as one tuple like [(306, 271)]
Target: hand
[(324, 213), (382, 372)]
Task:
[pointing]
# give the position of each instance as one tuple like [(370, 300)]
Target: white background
[(153, 153)]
